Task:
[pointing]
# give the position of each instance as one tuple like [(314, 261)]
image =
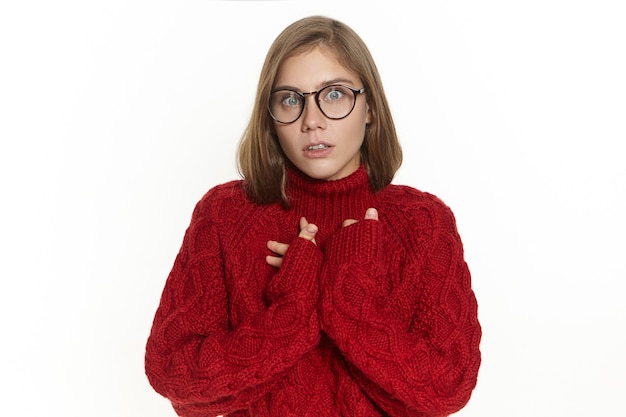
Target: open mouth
[(318, 147)]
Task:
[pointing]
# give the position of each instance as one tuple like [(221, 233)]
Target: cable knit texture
[(374, 319)]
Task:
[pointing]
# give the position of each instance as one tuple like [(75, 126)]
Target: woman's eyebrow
[(320, 85), (339, 80)]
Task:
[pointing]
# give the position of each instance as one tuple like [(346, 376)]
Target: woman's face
[(321, 148)]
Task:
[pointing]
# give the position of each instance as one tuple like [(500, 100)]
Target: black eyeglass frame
[(355, 91)]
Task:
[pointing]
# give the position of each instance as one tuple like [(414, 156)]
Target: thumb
[(371, 214), (307, 230)]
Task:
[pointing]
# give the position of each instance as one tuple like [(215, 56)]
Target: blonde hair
[(261, 161)]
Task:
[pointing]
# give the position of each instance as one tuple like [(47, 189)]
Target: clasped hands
[(307, 231)]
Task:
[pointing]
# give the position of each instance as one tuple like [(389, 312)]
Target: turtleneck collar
[(299, 183), (329, 203)]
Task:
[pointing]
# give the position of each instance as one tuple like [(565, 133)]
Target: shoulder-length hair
[(261, 161)]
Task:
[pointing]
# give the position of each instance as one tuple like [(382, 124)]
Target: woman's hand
[(307, 231), (370, 214)]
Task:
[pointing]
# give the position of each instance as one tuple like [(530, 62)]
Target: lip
[(317, 153)]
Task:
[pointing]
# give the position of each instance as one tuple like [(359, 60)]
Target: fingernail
[(311, 228), (370, 213)]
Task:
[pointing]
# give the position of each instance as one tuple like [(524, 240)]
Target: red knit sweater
[(376, 319)]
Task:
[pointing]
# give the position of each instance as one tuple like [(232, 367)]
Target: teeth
[(317, 147)]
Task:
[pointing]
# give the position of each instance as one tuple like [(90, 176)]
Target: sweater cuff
[(357, 245), (298, 273)]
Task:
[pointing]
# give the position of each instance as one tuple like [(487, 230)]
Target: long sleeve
[(195, 355), (397, 301)]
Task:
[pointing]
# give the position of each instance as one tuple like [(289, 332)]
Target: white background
[(116, 116)]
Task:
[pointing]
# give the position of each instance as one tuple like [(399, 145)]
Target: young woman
[(314, 286)]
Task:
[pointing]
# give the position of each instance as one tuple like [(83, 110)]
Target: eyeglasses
[(334, 101)]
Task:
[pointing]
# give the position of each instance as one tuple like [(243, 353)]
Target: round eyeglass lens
[(335, 101), (286, 105)]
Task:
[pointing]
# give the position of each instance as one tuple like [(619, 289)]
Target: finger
[(275, 261), (277, 247), (348, 222), (307, 230), (371, 214)]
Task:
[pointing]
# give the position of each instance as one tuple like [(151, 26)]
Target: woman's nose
[(312, 116)]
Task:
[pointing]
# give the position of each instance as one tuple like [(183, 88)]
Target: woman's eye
[(334, 94), (291, 100)]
